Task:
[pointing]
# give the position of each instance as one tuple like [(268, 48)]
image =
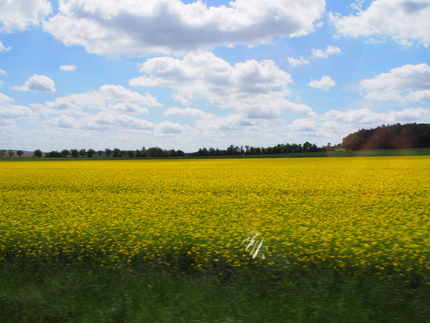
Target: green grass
[(87, 293), (335, 153)]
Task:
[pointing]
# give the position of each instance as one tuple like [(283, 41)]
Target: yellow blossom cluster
[(344, 213)]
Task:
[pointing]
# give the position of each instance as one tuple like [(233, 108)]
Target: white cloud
[(329, 51), (2, 72), (67, 68), (137, 28), (63, 121), (229, 122), (408, 83), (105, 120), (304, 125), (367, 118), (10, 111), (37, 83), (170, 127), (325, 83), (187, 112), (3, 48), (406, 21), (297, 61), (19, 14), (256, 88), (113, 98)]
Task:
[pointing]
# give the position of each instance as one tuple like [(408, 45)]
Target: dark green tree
[(117, 152), (90, 153), (37, 153), (65, 152)]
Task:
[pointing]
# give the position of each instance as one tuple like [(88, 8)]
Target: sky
[(81, 74)]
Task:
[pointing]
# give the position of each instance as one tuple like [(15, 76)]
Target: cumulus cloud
[(367, 118), (3, 48), (187, 112), (67, 68), (168, 127), (136, 28), (329, 51), (406, 21), (2, 72), (325, 83), (113, 98), (304, 125), (297, 61), (37, 83), (229, 122), (63, 121), (408, 83), (19, 14), (256, 88), (105, 120), (10, 111)]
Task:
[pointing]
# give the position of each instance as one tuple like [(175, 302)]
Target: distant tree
[(155, 152), (130, 153), (117, 152), (90, 153), (138, 153), (180, 153), (82, 152), (11, 153), (99, 153), (2, 152), (20, 153), (37, 153), (74, 153), (108, 152), (307, 146), (54, 153), (65, 152)]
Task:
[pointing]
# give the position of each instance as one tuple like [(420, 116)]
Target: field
[(322, 222)]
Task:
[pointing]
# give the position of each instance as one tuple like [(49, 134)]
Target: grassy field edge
[(340, 153)]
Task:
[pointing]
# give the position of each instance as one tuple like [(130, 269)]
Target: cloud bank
[(405, 84), (255, 88), (17, 15), (139, 28), (406, 21)]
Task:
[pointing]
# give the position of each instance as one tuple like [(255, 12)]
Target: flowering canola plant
[(351, 214)]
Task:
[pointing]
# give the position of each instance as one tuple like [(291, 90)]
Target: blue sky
[(191, 74)]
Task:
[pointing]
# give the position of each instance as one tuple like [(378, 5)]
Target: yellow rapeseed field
[(363, 213)]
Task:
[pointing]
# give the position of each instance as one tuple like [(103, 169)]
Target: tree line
[(396, 136), (159, 152), (251, 150), (11, 153), (117, 153)]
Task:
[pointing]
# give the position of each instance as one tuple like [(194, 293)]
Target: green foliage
[(396, 136), (37, 153)]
